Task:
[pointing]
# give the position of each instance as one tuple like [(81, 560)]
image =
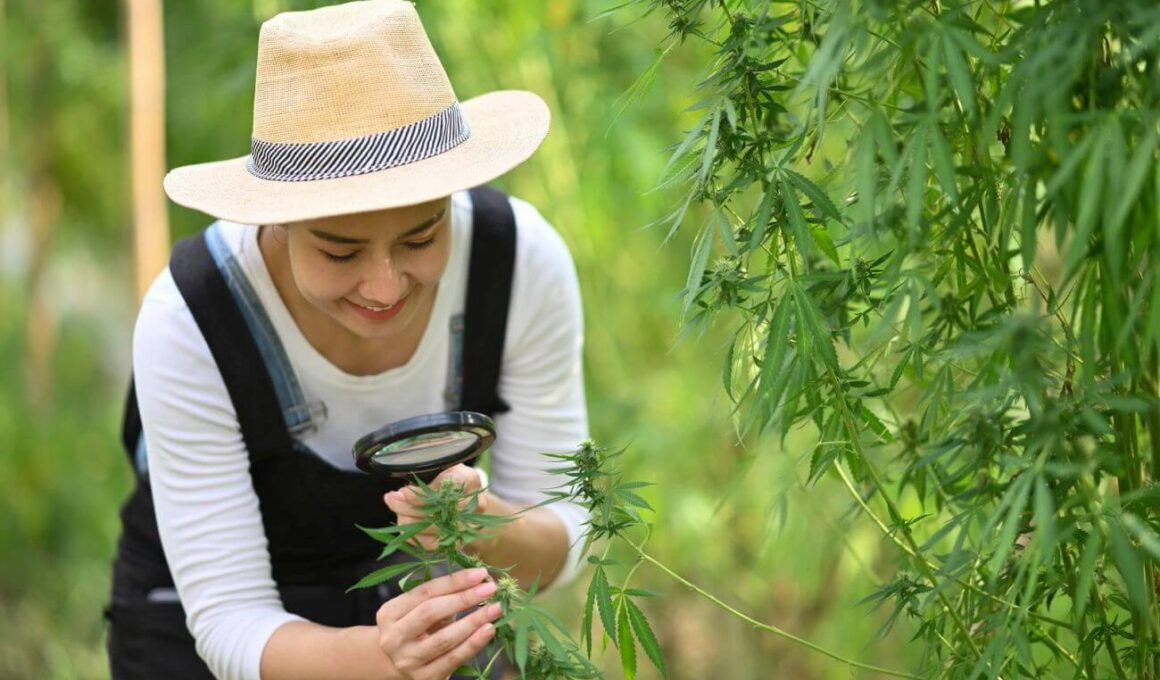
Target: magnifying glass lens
[(425, 448), (424, 445)]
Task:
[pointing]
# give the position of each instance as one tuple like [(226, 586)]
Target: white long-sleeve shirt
[(207, 511)]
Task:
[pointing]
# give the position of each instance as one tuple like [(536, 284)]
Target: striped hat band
[(303, 162)]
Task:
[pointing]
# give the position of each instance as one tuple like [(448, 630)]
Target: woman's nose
[(383, 283)]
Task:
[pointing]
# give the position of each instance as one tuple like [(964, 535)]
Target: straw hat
[(354, 112)]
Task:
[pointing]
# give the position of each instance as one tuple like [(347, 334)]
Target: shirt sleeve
[(542, 378), (207, 510)]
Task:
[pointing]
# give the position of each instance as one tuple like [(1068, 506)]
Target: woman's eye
[(339, 258), (419, 245)]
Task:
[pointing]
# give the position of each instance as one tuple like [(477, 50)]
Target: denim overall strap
[(235, 351), (301, 418)]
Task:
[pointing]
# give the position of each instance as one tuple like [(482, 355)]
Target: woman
[(350, 281)]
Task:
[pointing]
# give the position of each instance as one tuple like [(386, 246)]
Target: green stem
[(765, 626), (856, 441), (491, 662), (1081, 625), (1124, 424), (1152, 421), (1151, 385), (1112, 653), (906, 549)]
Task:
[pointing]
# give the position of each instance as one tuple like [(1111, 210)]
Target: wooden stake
[(147, 138)]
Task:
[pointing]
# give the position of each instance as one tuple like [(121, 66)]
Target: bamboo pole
[(146, 59), (6, 169), (43, 207)]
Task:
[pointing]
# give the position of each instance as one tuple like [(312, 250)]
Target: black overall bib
[(309, 508)]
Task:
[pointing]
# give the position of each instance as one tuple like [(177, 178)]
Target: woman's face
[(373, 273)]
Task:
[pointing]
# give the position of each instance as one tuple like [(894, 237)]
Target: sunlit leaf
[(1129, 565), (604, 602), (626, 645), (644, 634), (959, 74), (1005, 543)]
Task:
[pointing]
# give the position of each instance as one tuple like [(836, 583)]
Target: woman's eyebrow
[(347, 241)]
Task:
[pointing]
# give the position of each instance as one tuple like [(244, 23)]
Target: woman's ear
[(278, 232)]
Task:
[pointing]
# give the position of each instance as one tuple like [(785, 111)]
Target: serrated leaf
[(382, 575), (1019, 493), (632, 498), (821, 238), (797, 219), (726, 234), (817, 334), (1149, 540), (874, 423), (1128, 563), (692, 136), (710, 151), (1089, 206), (817, 196), (383, 534), (774, 359), (640, 87), (821, 459), (916, 180), (866, 176), (761, 219), (627, 647), (959, 74), (604, 603), (701, 249), (1029, 226), (644, 634), (1044, 517), (520, 623), (727, 370), (1143, 160), (586, 623), (1070, 163), (944, 166), (930, 75), (548, 637)]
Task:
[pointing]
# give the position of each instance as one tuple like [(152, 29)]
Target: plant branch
[(765, 626), (905, 548), (856, 441)]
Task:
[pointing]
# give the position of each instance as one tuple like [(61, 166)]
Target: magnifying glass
[(425, 445)]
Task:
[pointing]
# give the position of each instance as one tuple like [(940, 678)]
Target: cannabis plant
[(532, 637), (935, 228)]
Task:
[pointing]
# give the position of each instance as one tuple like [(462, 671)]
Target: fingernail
[(488, 629), (477, 574), (484, 590), (494, 610)]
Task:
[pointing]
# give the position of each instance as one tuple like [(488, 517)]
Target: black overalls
[(309, 508)]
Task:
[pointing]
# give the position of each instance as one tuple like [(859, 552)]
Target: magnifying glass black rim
[(453, 421)]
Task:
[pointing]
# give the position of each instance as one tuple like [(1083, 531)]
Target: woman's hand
[(405, 502), (416, 631)]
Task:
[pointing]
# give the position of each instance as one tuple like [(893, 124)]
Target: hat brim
[(506, 127)]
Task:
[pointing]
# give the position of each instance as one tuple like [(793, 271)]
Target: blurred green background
[(732, 517)]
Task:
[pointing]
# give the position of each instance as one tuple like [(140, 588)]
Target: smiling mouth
[(378, 312)]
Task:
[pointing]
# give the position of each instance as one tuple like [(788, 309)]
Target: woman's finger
[(435, 645), (424, 614), (456, 582), (445, 665)]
